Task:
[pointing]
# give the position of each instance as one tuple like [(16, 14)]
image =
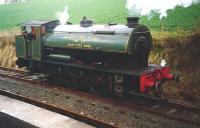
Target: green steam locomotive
[(112, 58)]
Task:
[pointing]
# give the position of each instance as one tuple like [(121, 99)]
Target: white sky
[(2, 1), (145, 6)]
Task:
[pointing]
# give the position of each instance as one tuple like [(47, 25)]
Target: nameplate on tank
[(79, 45)]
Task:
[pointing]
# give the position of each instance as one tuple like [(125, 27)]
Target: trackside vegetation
[(101, 11)]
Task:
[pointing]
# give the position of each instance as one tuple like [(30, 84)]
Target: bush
[(182, 51)]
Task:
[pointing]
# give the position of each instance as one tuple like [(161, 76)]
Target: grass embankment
[(7, 48), (181, 49), (101, 11)]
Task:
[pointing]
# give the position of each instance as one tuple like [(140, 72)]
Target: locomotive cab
[(29, 43)]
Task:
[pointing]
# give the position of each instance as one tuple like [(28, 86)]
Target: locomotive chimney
[(132, 21)]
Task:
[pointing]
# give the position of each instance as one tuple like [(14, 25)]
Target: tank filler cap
[(86, 22)]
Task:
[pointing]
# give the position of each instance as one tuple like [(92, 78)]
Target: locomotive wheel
[(31, 68), (158, 90), (71, 83), (102, 85)]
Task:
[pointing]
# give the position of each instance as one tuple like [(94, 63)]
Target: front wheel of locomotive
[(158, 90), (101, 85), (71, 83)]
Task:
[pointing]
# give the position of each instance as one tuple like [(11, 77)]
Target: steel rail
[(60, 110)]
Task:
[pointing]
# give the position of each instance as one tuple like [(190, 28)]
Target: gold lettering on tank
[(79, 45)]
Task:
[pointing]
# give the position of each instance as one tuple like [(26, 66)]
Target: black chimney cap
[(132, 21), (133, 18)]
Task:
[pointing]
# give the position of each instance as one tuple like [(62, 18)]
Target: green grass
[(101, 11)]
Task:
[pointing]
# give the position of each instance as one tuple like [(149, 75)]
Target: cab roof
[(36, 23)]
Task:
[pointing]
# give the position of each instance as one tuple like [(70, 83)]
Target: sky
[(2, 1)]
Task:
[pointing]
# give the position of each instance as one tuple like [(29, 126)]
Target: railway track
[(23, 76), (171, 109), (56, 109)]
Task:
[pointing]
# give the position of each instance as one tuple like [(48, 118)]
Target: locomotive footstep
[(171, 111), (155, 106)]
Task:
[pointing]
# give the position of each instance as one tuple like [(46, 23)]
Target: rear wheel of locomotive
[(30, 67), (101, 84)]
